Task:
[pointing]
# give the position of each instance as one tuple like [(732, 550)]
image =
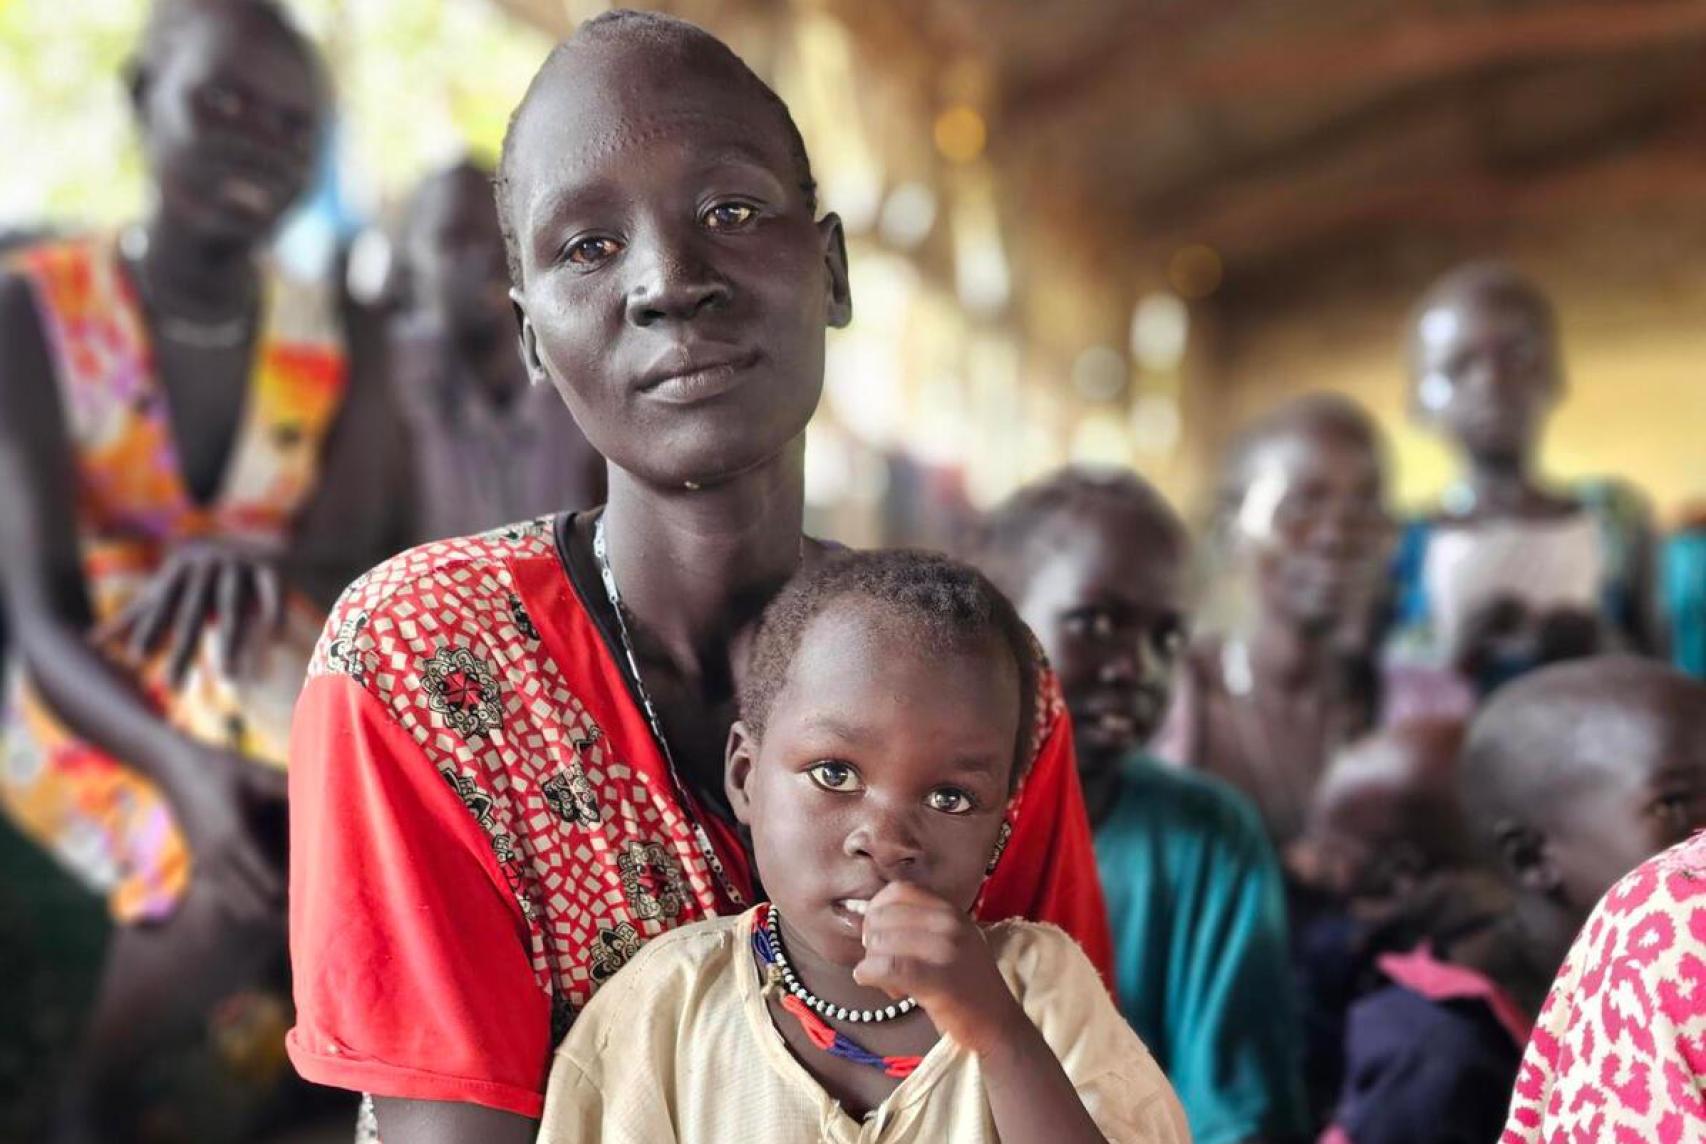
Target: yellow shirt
[(679, 1046)]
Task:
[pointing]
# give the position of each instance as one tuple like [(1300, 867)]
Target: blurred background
[(1109, 230)]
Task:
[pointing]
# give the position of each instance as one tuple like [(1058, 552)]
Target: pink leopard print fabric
[(1618, 1054)]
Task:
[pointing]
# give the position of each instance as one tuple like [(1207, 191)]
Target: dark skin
[(1486, 372), (457, 278), (1312, 534), (675, 290), (1109, 604), (1386, 818), (880, 780), (1631, 784), (229, 114)]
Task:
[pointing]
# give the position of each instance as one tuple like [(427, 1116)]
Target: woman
[(507, 766), (188, 443)]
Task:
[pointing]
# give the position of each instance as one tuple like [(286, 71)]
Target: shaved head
[(1577, 773), (657, 48)]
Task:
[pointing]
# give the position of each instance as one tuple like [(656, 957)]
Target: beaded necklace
[(767, 945), (601, 555)]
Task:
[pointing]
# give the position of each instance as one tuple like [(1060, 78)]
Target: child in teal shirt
[(1097, 565)]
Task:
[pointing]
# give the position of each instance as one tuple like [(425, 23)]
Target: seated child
[(884, 713), (1430, 1050), (1570, 777), (1097, 565)]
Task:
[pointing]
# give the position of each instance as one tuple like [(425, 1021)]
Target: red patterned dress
[(1619, 1051), (483, 829)]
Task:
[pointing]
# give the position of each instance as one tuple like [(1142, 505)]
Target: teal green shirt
[(1201, 962)]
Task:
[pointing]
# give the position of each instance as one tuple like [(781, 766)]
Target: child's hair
[(1010, 546), (948, 607), (1555, 731), (669, 36)]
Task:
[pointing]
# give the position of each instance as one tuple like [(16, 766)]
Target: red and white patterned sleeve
[(1619, 1051), (411, 970)]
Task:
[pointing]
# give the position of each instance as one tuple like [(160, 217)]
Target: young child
[(884, 710), (1097, 565), (1511, 571), (1432, 1047), (1571, 777)]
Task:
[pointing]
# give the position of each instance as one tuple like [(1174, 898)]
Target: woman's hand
[(917, 944), (222, 801), (234, 582)]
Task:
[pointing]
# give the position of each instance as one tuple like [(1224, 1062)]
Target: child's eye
[(592, 251), (838, 777), (728, 216), (950, 800)]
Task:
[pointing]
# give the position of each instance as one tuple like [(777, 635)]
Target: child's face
[(675, 287), (1486, 373), (1384, 819), (1649, 796), (1109, 606), (881, 761), (1314, 527)]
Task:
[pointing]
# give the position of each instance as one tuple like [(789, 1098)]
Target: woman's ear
[(529, 340), (738, 758), (840, 308)]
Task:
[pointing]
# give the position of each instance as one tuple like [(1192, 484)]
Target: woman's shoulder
[(437, 585)]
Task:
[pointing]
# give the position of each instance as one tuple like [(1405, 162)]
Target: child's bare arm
[(918, 944)]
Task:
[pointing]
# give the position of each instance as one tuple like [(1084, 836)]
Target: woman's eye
[(950, 800), (728, 216), (592, 251), (838, 777)]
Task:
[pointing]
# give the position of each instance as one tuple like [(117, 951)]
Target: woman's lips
[(688, 377)]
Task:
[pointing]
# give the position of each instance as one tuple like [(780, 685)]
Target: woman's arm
[(441, 1122)]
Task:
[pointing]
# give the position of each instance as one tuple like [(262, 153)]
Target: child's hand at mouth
[(917, 944)]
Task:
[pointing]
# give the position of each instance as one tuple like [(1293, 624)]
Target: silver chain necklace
[(601, 554), (192, 332), (791, 982)]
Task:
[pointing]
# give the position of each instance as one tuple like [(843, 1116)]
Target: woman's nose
[(673, 283)]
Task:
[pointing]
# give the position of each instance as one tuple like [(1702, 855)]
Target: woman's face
[(230, 111), (675, 288), (1312, 527)]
